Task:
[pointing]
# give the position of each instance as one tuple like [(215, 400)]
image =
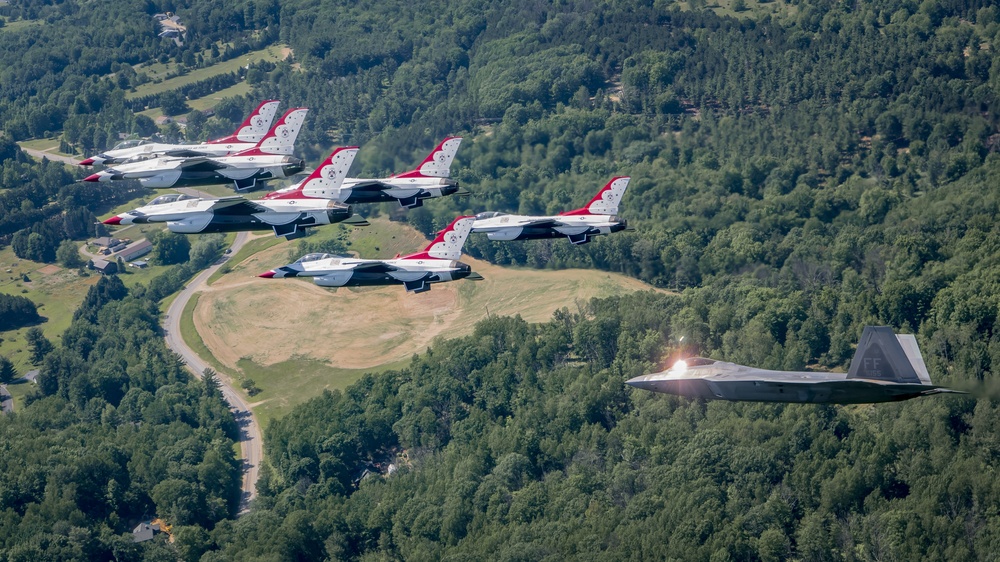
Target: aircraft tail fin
[(607, 199), (324, 180), (882, 355), (447, 245), (438, 162), (255, 126), (281, 138)]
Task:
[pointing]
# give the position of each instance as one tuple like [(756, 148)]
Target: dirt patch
[(49, 269), (286, 52)]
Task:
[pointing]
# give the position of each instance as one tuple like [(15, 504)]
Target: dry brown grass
[(270, 320)]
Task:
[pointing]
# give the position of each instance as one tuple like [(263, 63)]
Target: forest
[(799, 170)]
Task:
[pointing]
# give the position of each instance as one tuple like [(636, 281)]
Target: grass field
[(56, 290), (50, 146), (21, 25), (295, 339), (273, 53)]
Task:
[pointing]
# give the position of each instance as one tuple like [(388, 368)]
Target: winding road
[(251, 440)]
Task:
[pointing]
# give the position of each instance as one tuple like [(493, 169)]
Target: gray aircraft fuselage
[(728, 381)]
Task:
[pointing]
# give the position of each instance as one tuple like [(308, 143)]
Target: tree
[(68, 254), (7, 370), (172, 103), (38, 344), (170, 248)]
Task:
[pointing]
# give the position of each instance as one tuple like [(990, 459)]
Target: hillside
[(260, 325)]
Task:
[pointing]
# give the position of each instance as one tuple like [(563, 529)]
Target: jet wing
[(539, 223), (201, 164), (237, 206), (375, 267), (185, 153), (370, 185)]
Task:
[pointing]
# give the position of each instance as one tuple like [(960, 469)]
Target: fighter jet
[(269, 158), (246, 137), (436, 264), (429, 179), (598, 217), (886, 368), (288, 217)]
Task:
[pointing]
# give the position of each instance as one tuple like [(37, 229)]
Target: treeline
[(16, 312), (116, 433), (522, 442), (42, 204)]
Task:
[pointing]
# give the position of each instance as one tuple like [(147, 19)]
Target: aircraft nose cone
[(93, 178), (267, 274), (640, 382), (115, 220), (87, 162)]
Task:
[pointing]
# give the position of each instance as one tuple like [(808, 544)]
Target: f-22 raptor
[(886, 368)]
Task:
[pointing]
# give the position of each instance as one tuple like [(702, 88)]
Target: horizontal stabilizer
[(355, 220)]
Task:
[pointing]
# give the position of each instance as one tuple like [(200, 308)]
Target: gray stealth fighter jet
[(886, 368)]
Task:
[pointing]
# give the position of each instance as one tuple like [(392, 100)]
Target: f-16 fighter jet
[(430, 179), (886, 368), (287, 217), (598, 217), (269, 158), (436, 264), (246, 137)]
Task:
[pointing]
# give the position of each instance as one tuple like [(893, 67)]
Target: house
[(144, 531), (163, 120), (105, 267), (102, 242), (141, 264), (136, 249)]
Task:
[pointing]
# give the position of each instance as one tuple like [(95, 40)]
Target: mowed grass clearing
[(295, 339), (274, 53)]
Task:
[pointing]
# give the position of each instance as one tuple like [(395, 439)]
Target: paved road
[(6, 400), (54, 157), (251, 440)]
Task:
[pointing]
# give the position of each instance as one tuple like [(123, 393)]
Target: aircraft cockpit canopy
[(130, 144), (171, 198), (689, 362), (314, 257), (489, 215)]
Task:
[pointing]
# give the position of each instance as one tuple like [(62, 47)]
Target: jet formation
[(246, 136), (288, 217), (886, 368), (271, 157)]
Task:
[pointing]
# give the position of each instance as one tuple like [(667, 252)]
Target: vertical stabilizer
[(438, 162), (448, 243), (880, 356), (255, 126), (325, 180), (281, 138), (607, 199), (909, 344)]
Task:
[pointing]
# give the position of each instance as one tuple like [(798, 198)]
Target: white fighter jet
[(246, 137), (598, 217), (430, 179), (437, 263), (288, 217), (270, 158)]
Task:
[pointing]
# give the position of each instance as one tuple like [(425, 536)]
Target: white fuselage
[(343, 271), (189, 216), (170, 172), (361, 190), (157, 149), (523, 227)]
